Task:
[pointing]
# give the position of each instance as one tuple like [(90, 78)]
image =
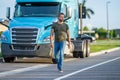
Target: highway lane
[(102, 67), (109, 71)]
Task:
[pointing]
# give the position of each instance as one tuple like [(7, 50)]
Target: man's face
[(61, 18)]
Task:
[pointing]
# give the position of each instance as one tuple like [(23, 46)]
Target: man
[(59, 30)]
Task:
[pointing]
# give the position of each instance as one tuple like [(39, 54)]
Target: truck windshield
[(43, 9)]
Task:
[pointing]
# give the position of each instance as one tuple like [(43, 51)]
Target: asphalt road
[(102, 67)]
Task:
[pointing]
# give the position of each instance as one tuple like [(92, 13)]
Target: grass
[(100, 45)]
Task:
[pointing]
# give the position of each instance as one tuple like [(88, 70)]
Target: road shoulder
[(104, 51)]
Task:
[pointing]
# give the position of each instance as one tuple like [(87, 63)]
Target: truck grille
[(24, 36)]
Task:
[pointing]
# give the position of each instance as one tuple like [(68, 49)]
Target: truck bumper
[(42, 50)]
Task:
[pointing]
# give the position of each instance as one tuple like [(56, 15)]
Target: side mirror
[(8, 13), (69, 12), (4, 22)]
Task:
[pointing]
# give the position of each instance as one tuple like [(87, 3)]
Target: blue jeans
[(59, 53)]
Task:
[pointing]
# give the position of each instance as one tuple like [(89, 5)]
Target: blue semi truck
[(28, 33)]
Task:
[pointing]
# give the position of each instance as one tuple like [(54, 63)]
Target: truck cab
[(29, 30)]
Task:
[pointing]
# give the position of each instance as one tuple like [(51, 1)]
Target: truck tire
[(87, 48), (54, 61), (9, 59), (83, 52), (76, 54)]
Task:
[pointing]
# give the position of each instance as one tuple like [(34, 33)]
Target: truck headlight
[(47, 39), (3, 38)]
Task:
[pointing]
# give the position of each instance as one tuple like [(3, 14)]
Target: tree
[(95, 29), (85, 28), (102, 30), (102, 33), (111, 34), (114, 33), (88, 10)]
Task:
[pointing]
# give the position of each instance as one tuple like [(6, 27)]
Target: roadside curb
[(104, 51)]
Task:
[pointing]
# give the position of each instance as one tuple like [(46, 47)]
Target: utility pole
[(107, 15), (81, 23)]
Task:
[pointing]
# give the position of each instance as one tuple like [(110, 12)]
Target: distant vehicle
[(85, 36)]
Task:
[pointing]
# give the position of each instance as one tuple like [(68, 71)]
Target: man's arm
[(68, 38), (51, 37)]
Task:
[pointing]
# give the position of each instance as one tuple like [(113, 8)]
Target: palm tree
[(88, 10)]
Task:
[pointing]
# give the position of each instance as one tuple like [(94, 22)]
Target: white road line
[(7, 73), (70, 59), (12, 72), (84, 69)]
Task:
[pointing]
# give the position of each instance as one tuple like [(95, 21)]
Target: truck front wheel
[(9, 59), (54, 61), (76, 54)]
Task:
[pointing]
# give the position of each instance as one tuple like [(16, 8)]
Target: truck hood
[(32, 22)]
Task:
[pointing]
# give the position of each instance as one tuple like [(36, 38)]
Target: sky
[(100, 18), (98, 6)]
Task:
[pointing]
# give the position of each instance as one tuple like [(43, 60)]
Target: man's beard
[(60, 20)]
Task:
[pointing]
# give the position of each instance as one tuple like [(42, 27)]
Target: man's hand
[(68, 38), (68, 45), (51, 45), (51, 38)]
